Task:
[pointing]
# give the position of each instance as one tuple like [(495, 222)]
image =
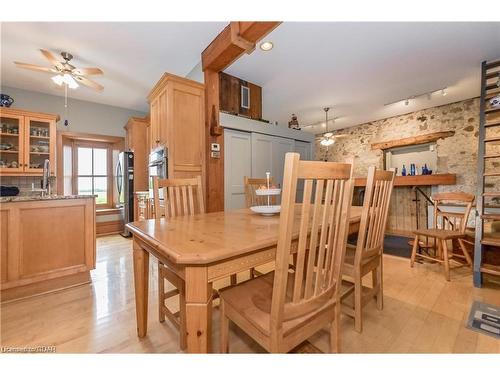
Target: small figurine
[(293, 123)]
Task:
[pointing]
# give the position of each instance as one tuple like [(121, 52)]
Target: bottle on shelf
[(412, 169), (403, 171)]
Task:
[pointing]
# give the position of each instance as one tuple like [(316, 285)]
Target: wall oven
[(158, 166)]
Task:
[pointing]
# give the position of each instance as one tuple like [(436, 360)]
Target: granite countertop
[(27, 198)]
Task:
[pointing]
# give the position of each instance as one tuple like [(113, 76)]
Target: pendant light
[(328, 138)]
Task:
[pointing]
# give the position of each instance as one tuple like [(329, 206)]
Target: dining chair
[(366, 256), (251, 198), (180, 197), (448, 227), (285, 307)]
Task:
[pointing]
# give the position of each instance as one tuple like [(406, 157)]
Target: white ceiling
[(133, 55), (358, 67), (353, 67)]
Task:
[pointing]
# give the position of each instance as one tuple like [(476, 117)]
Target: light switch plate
[(215, 147)]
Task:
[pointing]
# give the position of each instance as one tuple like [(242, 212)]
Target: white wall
[(83, 116)]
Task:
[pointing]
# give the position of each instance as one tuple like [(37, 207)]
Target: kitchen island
[(47, 243)]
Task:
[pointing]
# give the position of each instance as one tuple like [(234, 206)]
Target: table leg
[(198, 310), (141, 282)]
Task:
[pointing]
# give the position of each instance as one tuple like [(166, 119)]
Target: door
[(304, 149), (280, 147), (11, 143), (262, 155), (237, 165), (40, 144)]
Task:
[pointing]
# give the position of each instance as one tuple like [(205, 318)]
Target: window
[(92, 171)]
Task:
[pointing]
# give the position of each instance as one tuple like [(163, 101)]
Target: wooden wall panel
[(230, 96), (40, 250), (4, 243)]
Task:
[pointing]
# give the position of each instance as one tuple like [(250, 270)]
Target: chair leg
[(182, 319), (252, 272), (161, 293), (414, 251), (358, 294), (234, 280), (444, 248), (377, 276), (224, 329), (335, 330), (466, 253)]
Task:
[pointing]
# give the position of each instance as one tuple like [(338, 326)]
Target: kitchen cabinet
[(136, 140), (26, 140), (46, 244), (177, 110)]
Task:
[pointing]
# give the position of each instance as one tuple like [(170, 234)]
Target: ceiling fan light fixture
[(58, 79), (70, 81), (327, 141)]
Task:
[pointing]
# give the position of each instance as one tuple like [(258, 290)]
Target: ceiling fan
[(328, 138), (65, 73)]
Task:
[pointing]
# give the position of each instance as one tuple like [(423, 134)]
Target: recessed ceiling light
[(266, 46)]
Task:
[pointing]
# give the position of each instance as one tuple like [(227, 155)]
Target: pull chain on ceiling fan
[(66, 74)]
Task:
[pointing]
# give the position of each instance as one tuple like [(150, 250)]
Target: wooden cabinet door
[(12, 144), (40, 144), (237, 165), (185, 118)]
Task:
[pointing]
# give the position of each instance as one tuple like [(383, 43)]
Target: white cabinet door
[(262, 155), (304, 149), (237, 165), (280, 147)]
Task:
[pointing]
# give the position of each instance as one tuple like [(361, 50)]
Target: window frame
[(109, 168)]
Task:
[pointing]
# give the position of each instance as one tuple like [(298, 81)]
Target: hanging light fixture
[(65, 79), (328, 138)]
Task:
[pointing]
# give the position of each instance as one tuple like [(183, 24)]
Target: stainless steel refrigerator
[(125, 187)]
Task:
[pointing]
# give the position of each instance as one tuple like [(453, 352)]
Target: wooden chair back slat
[(180, 197), (379, 185), (321, 233), (251, 198)]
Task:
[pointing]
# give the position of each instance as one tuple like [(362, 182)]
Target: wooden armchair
[(366, 256), (180, 197), (284, 308), (449, 227)]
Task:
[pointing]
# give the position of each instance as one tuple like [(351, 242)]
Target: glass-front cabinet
[(27, 139)]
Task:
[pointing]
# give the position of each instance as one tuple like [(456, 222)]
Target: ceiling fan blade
[(87, 82), (38, 68), (87, 71), (49, 56)]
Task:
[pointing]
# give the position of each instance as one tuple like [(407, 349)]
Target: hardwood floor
[(422, 313)]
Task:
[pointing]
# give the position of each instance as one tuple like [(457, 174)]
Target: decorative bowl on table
[(266, 210)]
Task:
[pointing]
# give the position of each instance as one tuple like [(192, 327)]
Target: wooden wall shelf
[(420, 180), (418, 140)]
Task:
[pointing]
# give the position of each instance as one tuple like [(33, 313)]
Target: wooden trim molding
[(417, 140), (108, 227)]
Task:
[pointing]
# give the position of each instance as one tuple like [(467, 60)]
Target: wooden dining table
[(201, 249)]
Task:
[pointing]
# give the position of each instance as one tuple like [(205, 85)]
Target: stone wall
[(456, 154)]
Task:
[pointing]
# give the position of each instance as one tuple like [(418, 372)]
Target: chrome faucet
[(46, 177)]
